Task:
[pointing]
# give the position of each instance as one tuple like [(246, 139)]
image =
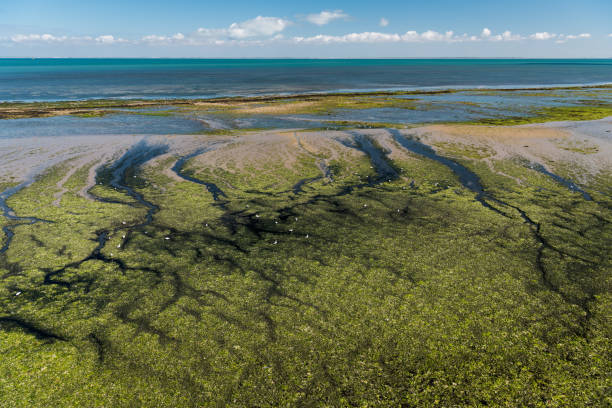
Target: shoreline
[(266, 97)]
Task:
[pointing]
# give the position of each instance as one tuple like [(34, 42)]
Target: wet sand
[(22, 158)]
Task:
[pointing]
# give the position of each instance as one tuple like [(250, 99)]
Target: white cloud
[(53, 39), (261, 31), (542, 36), (250, 32), (433, 36), (162, 39), (257, 27), (325, 17), (564, 38), (30, 38), (375, 37), (506, 36), (109, 39), (610, 35), (383, 22)]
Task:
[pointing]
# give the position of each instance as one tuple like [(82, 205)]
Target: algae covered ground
[(447, 265)]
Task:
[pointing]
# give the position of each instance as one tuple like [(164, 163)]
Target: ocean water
[(71, 79)]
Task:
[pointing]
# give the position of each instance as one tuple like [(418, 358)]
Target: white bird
[(306, 235), (256, 215), (167, 238), (18, 293), (275, 242), (123, 222), (206, 225)]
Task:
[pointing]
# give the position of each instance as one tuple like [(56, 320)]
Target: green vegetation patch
[(552, 114), (408, 292)]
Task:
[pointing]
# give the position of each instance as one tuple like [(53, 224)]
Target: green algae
[(551, 114), (406, 293), (298, 104)]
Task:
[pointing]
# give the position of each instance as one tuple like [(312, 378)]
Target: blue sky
[(237, 28)]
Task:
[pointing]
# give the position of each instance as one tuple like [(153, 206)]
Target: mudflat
[(344, 263)]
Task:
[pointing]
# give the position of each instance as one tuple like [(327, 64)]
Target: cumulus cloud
[(506, 36), (255, 31), (261, 31), (432, 36), (564, 38), (257, 27), (62, 39), (376, 37), (383, 22), (542, 36), (29, 38), (109, 39), (325, 17)]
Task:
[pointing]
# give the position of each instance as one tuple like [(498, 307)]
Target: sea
[(80, 79)]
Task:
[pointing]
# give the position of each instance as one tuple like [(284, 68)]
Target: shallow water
[(107, 125), (211, 187), (571, 186)]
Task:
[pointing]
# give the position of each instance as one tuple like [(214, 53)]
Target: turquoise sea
[(70, 79)]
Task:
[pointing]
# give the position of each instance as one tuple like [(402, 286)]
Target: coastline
[(428, 90)]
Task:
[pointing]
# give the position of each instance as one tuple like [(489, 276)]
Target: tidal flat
[(322, 250)]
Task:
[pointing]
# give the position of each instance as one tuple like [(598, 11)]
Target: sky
[(314, 29)]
